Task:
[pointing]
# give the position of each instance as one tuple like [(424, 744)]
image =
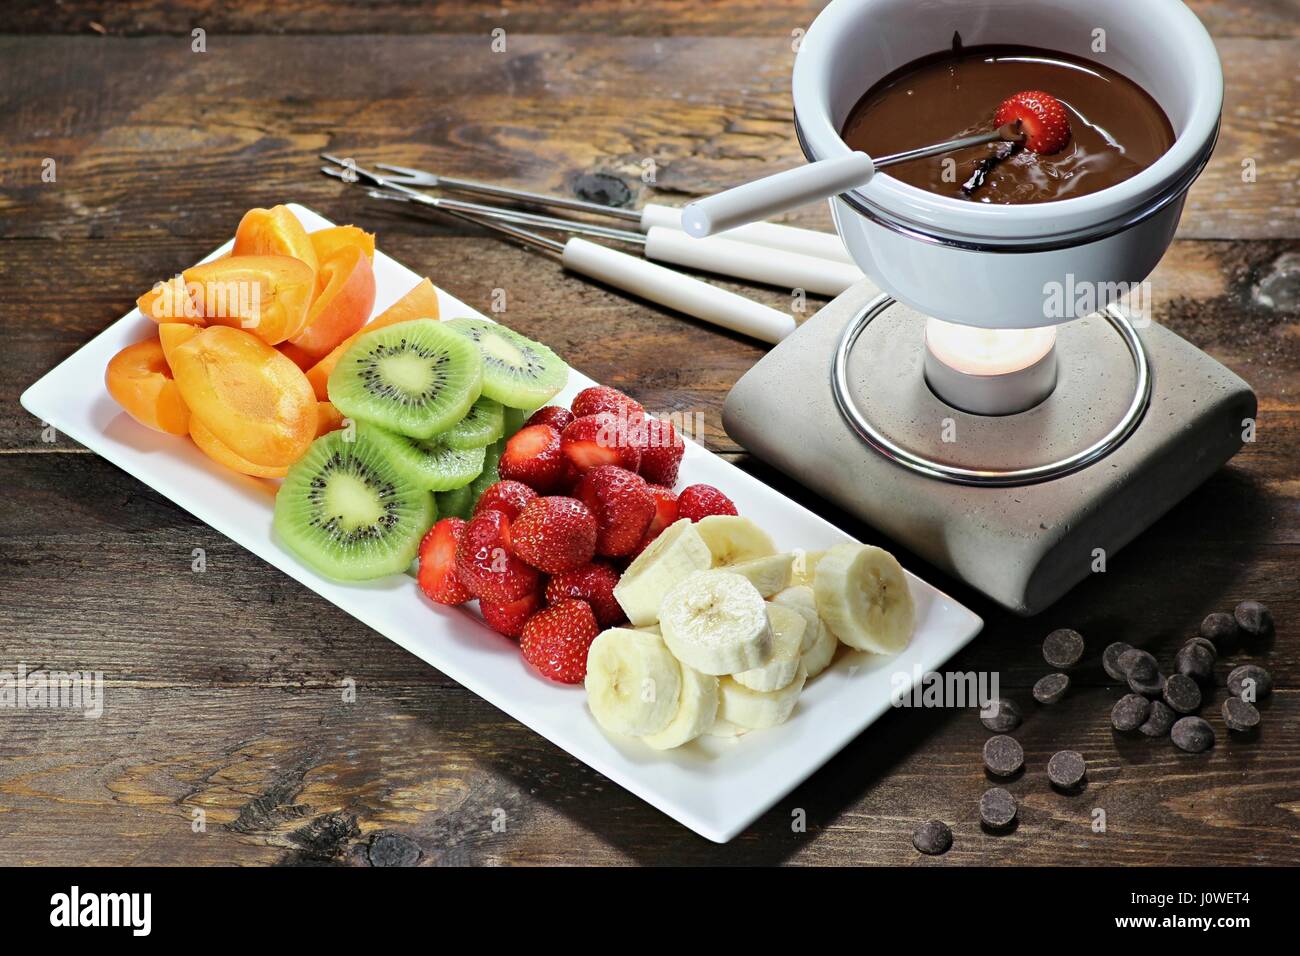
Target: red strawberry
[(438, 562), (700, 501), (661, 452), (593, 583), (508, 497), (555, 641), (665, 513), (486, 563), (601, 439), (622, 504), (509, 617), (557, 416), (532, 455), (602, 398), (555, 534), (1043, 119)]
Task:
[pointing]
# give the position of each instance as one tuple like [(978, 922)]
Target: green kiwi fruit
[(517, 372), (489, 475), (417, 378), (481, 426), (427, 463), (348, 513), (458, 503)]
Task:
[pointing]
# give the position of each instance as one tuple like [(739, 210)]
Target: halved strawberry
[(601, 439), (661, 452), (1043, 119), (593, 583), (557, 416), (555, 534), (602, 398), (437, 575), (509, 617), (622, 504), (700, 501), (555, 641), (486, 563), (508, 497), (532, 455)]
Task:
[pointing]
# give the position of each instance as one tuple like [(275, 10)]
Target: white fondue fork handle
[(746, 260), (804, 242)]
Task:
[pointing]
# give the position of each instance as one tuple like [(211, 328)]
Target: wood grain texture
[(225, 688)]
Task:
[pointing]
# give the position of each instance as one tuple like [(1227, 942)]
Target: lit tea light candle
[(990, 371)]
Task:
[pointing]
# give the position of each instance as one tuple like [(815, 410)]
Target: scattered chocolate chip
[(998, 808), (1207, 644), (1182, 694), (1136, 660), (1239, 715), (1151, 687), (1110, 659), (1255, 619), (1192, 734), (1066, 769), (1003, 756), (1130, 712), (1161, 719), (1194, 661), (1250, 682), (932, 837), (1005, 717), (1051, 688), (1063, 648), (1220, 629)]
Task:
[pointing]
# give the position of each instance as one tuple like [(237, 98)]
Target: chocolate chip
[(1239, 715), (1005, 717), (1063, 648), (1151, 687), (1255, 619), (1250, 682), (1182, 694), (1161, 719), (1066, 769), (1194, 661), (1130, 712), (932, 837), (1220, 629), (998, 808), (1136, 660), (1003, 756), (1192, 734), (1110, 659), (1205, 643), (1051, 688)]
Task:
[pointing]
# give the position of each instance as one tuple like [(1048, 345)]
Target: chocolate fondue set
[(1000, 410)]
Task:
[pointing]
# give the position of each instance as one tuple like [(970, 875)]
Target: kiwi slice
[(489, 475), (417, 378), (481, 426), (458, 503), (517, 371), (347, 512), (426, 463)]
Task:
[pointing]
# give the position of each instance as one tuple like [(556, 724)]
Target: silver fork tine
[(408, 176)]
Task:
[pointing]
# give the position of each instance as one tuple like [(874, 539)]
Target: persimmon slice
[(274, 232), (345, 295), (170, 301), (268, 296), (328, 242), (140, 380)]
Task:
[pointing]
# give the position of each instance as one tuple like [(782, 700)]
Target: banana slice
[(677, 552), (633, 682), (697, 709), (804, 570), (725, 728), (758, 709), (819, 642), (716, 622), (733, 539), (788, 627), (770, 574), (862, 596)]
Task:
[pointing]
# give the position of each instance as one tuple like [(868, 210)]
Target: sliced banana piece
[(716, 622), (633, 682), (697, 709), (677, 552), (770, 574), (862, 596), (804, 570), (788, 627), (757, 709), (725, 728), (819, 642), (732, 539)]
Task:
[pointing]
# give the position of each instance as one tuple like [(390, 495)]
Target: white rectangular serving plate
[(714, 786)]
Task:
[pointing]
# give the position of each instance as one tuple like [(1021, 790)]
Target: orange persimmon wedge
[(212, 446), (420, 303), (274, 232), (254, 400), (170, 301), (328, 242), (140, 380), (342, 304), (328, 418), (172, 334), (268, 296)]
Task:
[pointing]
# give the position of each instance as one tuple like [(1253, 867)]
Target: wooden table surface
[(224, 687)]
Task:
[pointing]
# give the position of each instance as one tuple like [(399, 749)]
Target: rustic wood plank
[(152, 139)]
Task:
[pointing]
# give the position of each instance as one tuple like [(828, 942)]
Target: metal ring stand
[(992, 476)]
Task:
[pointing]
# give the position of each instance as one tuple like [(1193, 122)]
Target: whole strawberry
[(555, 641), (602, 439), (557, 416), (665, 513), (622, 504), (1042, 118), (532, 455), (602, 398), (593, 583), (508, 497), (554, 534), (700, 501), (509, 617), (661, 452), (437, 575), (486, 563)]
